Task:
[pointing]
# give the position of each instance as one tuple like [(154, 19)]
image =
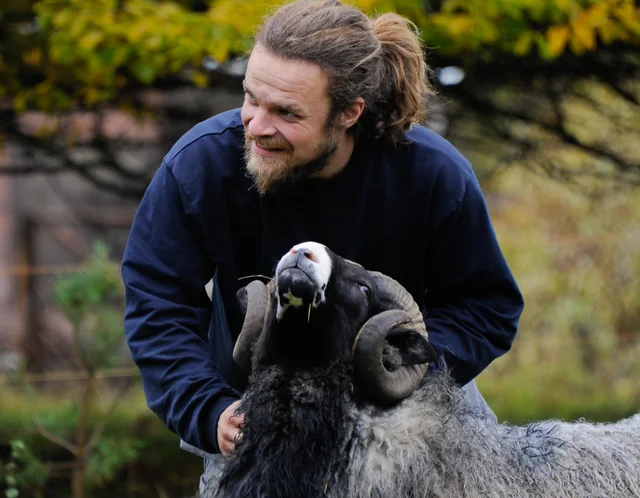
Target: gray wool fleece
[(435, 444)]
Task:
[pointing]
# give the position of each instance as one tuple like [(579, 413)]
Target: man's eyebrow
[(292, 108)]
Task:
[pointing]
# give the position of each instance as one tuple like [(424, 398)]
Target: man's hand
[(229, 426)]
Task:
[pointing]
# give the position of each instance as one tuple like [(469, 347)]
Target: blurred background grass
[(158, 467), (577, 259)]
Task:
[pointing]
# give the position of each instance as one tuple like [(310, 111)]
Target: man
[(323, 149)]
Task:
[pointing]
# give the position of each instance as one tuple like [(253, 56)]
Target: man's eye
[(249, 97), (287, 114), (366, 291)]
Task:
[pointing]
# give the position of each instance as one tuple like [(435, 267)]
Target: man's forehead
[(297, 80)]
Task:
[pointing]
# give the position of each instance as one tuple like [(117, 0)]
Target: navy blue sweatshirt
[(414, 212)]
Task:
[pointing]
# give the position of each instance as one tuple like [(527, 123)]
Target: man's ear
[(349, 117)]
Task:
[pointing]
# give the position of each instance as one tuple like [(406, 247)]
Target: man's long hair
[(379, 59)]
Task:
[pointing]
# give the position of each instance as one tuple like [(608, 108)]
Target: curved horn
[(393, 296), (379, 381), (254, 298)]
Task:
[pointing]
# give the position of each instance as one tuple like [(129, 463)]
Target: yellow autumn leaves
[(521, 27), (514, 26), (605, 22), (91, 52)]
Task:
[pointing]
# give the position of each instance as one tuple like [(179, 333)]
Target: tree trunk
[(78, 479)]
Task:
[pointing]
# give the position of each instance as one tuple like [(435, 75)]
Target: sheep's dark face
[(322, 310), (322, 301)]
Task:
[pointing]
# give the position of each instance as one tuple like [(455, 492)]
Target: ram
[(338, 405)]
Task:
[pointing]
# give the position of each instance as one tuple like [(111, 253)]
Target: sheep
[(338, 405)]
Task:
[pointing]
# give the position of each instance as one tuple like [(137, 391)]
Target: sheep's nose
[(304, 252)]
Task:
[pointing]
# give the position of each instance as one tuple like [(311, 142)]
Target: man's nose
[(260, 124)]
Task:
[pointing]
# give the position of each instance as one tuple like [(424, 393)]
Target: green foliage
[(87, 53), (64, 419), (110, 456), (132, 431), (98, 284), (33, 457), (92, 301), (23, 471), (58, 411)]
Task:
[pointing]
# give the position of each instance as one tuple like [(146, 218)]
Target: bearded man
[(326, 148)]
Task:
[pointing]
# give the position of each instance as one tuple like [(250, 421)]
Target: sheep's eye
[(366, 291)]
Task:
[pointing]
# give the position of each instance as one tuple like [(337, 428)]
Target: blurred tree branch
[(43, 151), (555, 111), (493, 111)]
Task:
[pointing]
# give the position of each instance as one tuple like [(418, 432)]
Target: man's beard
[(280, 172)]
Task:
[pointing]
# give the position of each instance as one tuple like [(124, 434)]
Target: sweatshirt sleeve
[(472, 302), (167, 312)]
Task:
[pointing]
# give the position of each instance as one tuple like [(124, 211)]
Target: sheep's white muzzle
[(302, 276)]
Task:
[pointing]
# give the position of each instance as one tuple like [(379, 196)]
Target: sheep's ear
[(390, 356), (412, 347), (253, 301), (241, 299)]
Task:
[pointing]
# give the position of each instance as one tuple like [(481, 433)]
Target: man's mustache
[(269, 143)]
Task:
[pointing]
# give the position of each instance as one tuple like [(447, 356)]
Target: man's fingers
[(229, 440), (227, 444), (229, 425), (226, 448), (231, 435), (237, 420)]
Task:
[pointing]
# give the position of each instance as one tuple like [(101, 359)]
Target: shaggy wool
[(306, 435)]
